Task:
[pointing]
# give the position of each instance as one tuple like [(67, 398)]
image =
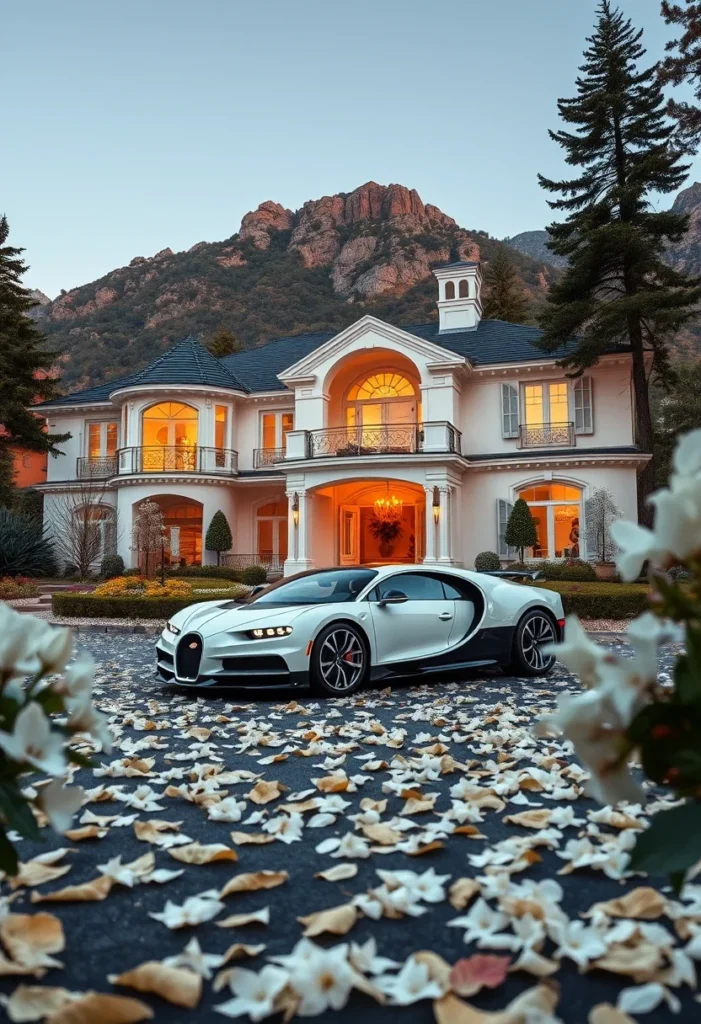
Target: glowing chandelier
[(388, 510)]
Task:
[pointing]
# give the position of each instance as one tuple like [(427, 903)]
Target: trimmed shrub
[(89, 606), (25, 550), (111, 566), (254, 575), (12, 588), (220, 572), (574, 570), (600, 600), (487, 561), (521, 531), (218, 536)]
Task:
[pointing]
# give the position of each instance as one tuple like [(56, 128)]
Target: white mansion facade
[(312, 444)]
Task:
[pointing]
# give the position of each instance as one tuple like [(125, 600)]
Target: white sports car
[(336, 628)]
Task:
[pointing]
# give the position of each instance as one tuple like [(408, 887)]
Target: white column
[(291, 529), (298, 534), (430, 553), (445, 554)]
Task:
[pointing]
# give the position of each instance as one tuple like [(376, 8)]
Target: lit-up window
[(557, 511), (102, 439), (220, 424), (546, 403), (381, 385), (273, 428), (271, 533), (170, 424)]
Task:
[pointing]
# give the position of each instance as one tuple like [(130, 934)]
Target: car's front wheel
[(535, 629), (339, 661)]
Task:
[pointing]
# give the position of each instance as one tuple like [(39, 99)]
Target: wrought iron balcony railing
[(96, 467), (387, 439), (546, 435), (267, 457), (178, 459)]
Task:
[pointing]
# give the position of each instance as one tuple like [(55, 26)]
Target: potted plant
[(386, 525), (601, 511)]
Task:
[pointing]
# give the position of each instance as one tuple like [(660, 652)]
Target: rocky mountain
[(533, 244), (283, 272)]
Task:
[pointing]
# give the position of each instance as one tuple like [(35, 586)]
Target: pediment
[(369, 327)]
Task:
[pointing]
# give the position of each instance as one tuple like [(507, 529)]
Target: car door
[(464, 609), (419, 626)]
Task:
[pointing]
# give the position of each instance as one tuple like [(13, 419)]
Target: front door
[(349, 534), (418, 627)]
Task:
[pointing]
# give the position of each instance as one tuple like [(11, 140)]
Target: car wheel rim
[(537, 631), (341, 660)]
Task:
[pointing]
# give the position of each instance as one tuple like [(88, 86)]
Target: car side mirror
[(392, 597)]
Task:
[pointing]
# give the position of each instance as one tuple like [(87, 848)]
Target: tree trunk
[(643, 422)]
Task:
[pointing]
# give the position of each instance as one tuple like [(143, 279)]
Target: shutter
[(583, 407), (509, 410), (504, 510)]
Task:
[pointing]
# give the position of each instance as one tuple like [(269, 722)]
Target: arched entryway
[(182, 519), (557, 511)]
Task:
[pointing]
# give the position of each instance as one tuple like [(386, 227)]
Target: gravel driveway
[(398, 745)]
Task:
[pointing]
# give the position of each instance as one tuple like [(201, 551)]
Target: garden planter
[(605, 570)]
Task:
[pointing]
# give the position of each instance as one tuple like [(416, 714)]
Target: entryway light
[(436, 504), (295, 508)]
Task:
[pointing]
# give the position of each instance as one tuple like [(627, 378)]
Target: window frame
[(279, 432), (103, 425), (545, 386), (514, 409), (550, 504), (583, 386)]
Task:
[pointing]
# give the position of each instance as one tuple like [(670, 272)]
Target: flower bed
[(152, 605), (600, 600), (12, 588)]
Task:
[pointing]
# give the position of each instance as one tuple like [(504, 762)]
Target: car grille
[(256, 663), (188, 656)]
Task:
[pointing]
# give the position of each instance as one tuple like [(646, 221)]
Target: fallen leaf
[(77, 835), (40, 869), (641, 960), (87, 892), (263, 792), (541, 999), (644, 903), (176, 984), (34, 1002), (338, 873), (462, 891), (336, 920), (478, 971), (196, 853), (151, 831), (31, 938), (529, 819), (239, 950), (252, 881), (382, 834), (427, 848), (438, 968), (251, 838), (239, 920), (604, 1013), (336, 783), (101, 1007), (419, 805), (469, 830)]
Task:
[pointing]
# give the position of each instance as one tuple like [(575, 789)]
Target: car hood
[(211, 617)]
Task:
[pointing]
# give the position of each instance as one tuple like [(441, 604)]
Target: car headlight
[(172, 628), (270, 631)]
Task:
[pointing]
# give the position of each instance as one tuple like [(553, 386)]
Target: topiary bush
[(487, 561), (25, 550), (111, 566), (218, 536), (254, 575), (600, 600), (575, 570), (221, 572)]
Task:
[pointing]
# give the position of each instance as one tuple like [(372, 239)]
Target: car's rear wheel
[(535, 629), (339, 661)]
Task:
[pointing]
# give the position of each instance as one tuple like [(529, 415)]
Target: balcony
[(96, 468), (178, 459), (546, 435), (388, 439), (264, 457)]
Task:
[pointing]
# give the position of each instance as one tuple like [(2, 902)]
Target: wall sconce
[(295, 509), (436, 504)]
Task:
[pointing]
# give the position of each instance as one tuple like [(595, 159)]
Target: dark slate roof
[(456, 264), (492, 341)]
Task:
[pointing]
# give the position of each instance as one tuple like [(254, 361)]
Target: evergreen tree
[(676, 413), (617, 290), (506, 299), (683, 65), (521, 531), (24, 368), (224, 343), (218, 536)]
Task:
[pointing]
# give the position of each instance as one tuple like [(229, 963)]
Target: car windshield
[(329, 586)]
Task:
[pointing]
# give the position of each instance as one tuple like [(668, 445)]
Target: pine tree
[(25, 368), (676, 413), (616, 290), (683, 65), (506, 299), (224, 343), (218, 536), (521, 531)]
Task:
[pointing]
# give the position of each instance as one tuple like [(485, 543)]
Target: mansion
[(376, 444)]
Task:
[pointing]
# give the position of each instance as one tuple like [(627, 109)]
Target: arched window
[(557, 510), (450, 289), (170, 424), (383, 399), (464, 289), (93, 534), (271, 533)]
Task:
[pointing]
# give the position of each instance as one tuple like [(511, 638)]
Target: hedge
[(220, 572), (89, 607), (600, 600)]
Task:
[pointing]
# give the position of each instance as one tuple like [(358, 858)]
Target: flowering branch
[(36, 683)]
